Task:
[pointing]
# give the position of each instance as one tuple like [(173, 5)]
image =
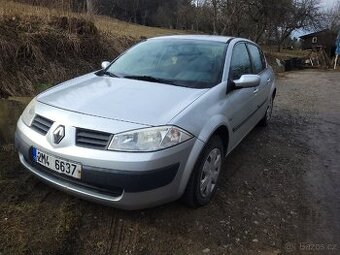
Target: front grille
[(92, 139), (41, 124)]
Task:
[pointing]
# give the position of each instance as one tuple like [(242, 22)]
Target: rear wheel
[(267, 117), (203, 181)]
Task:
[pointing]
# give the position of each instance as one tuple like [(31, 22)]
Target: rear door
[(259, 67)]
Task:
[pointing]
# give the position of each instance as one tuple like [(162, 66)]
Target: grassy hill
[(105, 24), (40, 47)]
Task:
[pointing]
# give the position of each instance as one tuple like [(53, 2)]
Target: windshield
[(189, 63)]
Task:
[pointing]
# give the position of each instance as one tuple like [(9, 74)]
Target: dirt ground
[(279, 193)]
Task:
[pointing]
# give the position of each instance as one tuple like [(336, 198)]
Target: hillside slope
[(41, 47)]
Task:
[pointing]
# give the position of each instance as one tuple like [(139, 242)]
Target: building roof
[(313, 34)]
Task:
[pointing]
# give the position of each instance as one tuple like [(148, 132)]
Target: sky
[(328, 3)]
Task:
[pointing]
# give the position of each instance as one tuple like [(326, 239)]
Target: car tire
[(267, 117), (204, 178)]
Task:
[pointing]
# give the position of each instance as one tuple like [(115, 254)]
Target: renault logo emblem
[(58, 134)]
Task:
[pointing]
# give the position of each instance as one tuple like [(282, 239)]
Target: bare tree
[(258, 20), (290, 15), (91, 6), (215, 7), (332, 17)]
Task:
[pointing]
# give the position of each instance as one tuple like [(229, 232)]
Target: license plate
[(57, 164)]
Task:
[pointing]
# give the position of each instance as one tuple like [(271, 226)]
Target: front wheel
[(203, 181)]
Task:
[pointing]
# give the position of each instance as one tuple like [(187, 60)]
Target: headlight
[(28, 114), (149, 139)]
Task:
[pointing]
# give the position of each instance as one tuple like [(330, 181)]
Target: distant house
[(324, 39)]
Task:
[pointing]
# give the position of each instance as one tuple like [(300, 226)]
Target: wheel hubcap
[(210, 172)]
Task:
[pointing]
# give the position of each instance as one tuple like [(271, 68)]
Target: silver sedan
[(152, 126)]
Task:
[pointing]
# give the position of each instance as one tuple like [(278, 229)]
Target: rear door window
[(257, 59), (240, 62)]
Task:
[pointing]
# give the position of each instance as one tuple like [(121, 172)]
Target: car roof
[(212, 38)]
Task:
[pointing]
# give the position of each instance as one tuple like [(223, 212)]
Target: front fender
[(212, 125), (206, 132)]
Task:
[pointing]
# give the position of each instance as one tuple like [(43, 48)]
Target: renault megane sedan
[(152, 126)]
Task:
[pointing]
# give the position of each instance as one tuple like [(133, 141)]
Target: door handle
[(255, 91), (268, 81)]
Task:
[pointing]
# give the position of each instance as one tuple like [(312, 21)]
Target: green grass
[(41, 87)]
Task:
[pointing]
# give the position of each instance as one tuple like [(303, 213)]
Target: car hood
[(121, 99)]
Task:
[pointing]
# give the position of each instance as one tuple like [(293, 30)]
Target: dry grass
[(40, 47), (273, 55), (285, 53), (105, 24), (36, 51)]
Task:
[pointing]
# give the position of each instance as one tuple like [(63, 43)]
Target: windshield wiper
[(149, 78)]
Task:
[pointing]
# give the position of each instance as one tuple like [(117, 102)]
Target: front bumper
[(124, 180)]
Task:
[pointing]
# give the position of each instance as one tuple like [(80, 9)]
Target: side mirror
[(105, 64), (248, 81)]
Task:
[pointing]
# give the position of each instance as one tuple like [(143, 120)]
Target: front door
[(240, 103)]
